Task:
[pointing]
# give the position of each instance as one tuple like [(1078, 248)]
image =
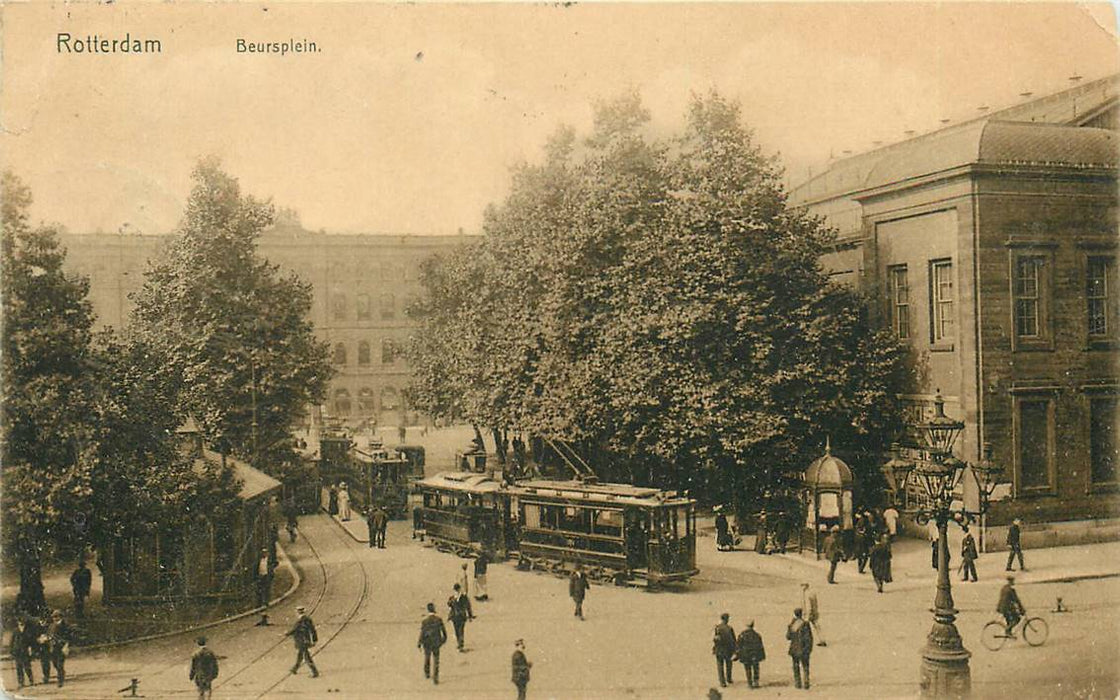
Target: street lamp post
[(945, 671)]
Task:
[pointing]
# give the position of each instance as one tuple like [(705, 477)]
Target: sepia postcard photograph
[(697, 350)]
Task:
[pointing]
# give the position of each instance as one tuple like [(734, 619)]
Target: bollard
[(1059, 608), (131, 688)]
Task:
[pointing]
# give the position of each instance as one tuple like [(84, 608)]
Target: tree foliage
[(234, 332), (88, 453), (657, 302)]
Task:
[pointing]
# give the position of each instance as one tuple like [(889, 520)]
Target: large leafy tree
[(47, 391), (657, 301), (235, 332), (88, 448)]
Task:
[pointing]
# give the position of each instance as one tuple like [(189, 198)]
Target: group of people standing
[(338, 501), (748, 649), (871, 542), (49, 640)]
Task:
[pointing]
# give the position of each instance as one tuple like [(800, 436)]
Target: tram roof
[(623, 493), (471, 482)]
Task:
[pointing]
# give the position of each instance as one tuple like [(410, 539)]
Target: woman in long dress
[(332, 500), (344, 501)]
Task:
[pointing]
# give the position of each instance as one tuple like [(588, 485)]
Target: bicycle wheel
[(993, 636), (1035, 631)]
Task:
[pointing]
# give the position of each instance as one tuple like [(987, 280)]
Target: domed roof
[(828, 472)]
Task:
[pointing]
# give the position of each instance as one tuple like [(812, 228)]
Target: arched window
[(388, 307), (338, 306), (388, 351), (362, 304), (390, 399), (363, 352), (365, 401), (340, 354), (341, 402)]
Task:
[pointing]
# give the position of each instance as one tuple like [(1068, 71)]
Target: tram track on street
[(157, 677), (349, 546)]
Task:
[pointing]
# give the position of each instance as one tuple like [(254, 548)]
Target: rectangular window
[(941, 300), (1028, 282), (899, 281), (1096, 295), (1102, 440), (1034, 443)]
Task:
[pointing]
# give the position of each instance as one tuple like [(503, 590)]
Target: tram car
[(373, 474), (618, 532), (463, 512)]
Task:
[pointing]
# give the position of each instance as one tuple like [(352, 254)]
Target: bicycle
[(1035, 631)]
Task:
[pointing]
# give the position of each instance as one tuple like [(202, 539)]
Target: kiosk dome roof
[(828, 472)]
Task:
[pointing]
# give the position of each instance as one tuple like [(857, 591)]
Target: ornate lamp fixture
[(945, 670)]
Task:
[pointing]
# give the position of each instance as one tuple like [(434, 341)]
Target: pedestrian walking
[(291, 517), (890, 519), (42, 645), (464, 579), (433, 635), (381, 519), (723, 646), (809, 602), (761, 528), (1013, 543), (750, 652), (880, 557), (934, 538), (832, 551), (264, 573), (800, 637), (969, 555), (723, 532), (80, 582), (371, 527), (481, 564), (577, 589), (59, 635), (459, 611), (21, 646), (304, 635), (864, 540), (521, 666), (344, 501), (332, 500), (204, 669)]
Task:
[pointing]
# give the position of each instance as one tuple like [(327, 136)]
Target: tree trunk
[(31, 597)]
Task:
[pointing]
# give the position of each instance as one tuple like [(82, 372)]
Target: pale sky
[(410, 116)]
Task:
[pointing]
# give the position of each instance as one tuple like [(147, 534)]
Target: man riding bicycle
[(1010, 606)]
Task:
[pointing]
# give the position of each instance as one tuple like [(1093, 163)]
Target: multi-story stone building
[(362, 286), (991, 248)]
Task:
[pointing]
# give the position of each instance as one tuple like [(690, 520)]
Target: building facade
[(990, 247), (362, 286)]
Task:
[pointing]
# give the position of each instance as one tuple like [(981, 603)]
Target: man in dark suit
[(1010, 606), (521, 666), (459, 611), (577, 589), (433, 635), (80, 582), (723, 646), (58, 645), (1013, 543), (832, 551), (969, 555), (751, 652), (204, 669), (21, 645), (800, 637)]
